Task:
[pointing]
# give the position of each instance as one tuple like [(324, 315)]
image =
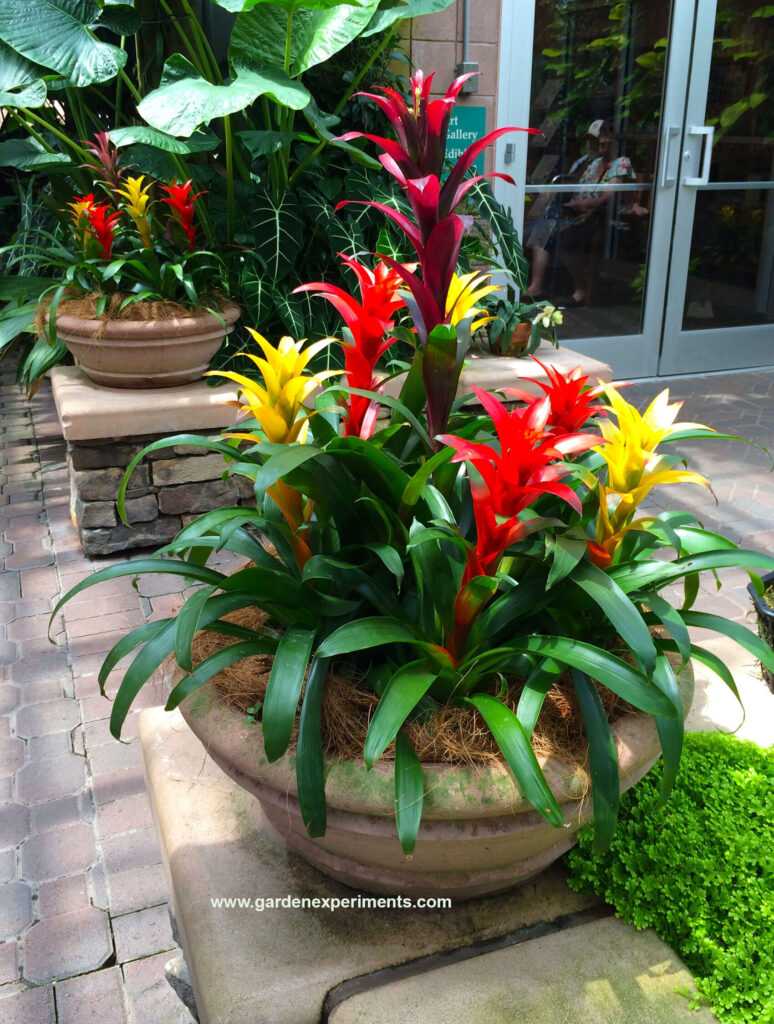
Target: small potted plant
[(762, 593), (450, 628), (139, 303), (519, 324)]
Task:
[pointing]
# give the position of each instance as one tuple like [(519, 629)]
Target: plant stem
[(229, 180), (137, 96), (56, 132), (119, 90), (204, 42), (340, 105), (193, 53), (393, 29), (31, 131)]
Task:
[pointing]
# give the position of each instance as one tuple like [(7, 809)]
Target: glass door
[(657, 243), (720, 300)]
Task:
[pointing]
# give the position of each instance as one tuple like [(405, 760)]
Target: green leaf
[(286, 681), (280, 465), (310, 765), (263, 143), (514, 743), (568, 549), (184, 100), (539, 682), (409, 793), (363, 634), (671, 731), (186, 625), (613, 672), (278, 230), (215, 663), (389, 13), (21, 82), (404, 691), (121, 19), (661, 573), (672, 621), (620, 611), (734, 631), (199, 142), (58, 35), (603, 761), (29, 155), (258, 35)]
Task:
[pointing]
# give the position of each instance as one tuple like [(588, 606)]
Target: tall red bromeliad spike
[(416, 160)]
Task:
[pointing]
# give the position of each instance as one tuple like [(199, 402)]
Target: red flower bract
[(181, 203), (569, 395), (103, 227), (369, 323)]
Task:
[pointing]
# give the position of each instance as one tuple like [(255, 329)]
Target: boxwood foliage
[(700, 871)]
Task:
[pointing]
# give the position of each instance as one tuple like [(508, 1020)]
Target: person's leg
[(539, 260), (577, 266)]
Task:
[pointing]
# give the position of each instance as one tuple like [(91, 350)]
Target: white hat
[(595, 128)]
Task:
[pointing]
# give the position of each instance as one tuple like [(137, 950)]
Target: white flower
[(548, 316)]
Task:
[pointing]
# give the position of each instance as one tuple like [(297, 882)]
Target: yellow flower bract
[(464, 292), (276, 406)]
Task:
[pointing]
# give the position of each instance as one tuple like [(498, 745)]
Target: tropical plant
[(244, 127), (446, 555)]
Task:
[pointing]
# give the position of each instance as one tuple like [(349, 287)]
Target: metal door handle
[(709, 132), (668, 179)]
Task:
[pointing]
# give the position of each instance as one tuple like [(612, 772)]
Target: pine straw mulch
[(454, 735), (85, 308)]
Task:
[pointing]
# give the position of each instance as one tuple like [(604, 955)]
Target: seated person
[(584, 214)]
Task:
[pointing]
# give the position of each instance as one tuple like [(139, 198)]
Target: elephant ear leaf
[(58, 34), (21, 83), (279, 232)]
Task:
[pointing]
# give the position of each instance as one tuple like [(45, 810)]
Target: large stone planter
[(478, 835), (145, 353)]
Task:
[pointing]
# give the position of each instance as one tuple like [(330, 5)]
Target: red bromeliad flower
[(103, 227), (526, 467), (370, 322), (181, 203), (569, 397)]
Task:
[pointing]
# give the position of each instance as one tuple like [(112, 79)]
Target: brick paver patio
[(84, 932)]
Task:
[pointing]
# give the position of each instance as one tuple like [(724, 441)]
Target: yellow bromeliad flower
[(137, 202), (276, 405), (634, 466), (464, 292)]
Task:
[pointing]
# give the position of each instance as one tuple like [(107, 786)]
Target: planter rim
[(761, 605), (451, 791), (144, 329)]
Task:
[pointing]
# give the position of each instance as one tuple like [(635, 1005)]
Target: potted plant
[(138, 303), (760, 590), (450, 627)]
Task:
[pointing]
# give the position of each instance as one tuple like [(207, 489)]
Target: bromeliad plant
[(451, 554), (131, 241)]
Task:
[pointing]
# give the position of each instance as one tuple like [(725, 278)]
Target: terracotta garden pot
[(478, 835), (517, 343), (145, 353)]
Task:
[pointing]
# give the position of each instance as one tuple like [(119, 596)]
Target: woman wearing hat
[(583, 215)]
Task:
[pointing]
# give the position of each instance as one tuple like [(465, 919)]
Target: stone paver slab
[(151, 998), (51, 779), (59, 947), (142, 934), (215, 844), (15, 909), (95, 998), (14, 824), (604, 972), (47, 717), (33, 1006), (9, 963), (62, 851)]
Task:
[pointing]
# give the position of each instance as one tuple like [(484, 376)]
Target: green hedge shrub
[(700, 871)]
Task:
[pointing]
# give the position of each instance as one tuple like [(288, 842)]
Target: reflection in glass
[(732, 247), (595, 63), (730, 269)]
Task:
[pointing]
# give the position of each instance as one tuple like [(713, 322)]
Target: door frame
[(630, 355)]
